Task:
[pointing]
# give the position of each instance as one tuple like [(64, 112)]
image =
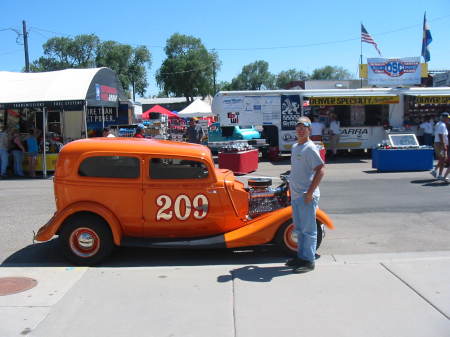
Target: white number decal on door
[(187, 208), (200, 204), (201, 210), (165, 202)]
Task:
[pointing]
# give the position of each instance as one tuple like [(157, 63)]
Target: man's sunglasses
[(307, 124)]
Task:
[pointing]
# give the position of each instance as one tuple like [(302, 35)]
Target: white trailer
[(364, 113)]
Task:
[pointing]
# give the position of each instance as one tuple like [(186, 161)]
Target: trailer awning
[(356, 99), (62, 88), (420, 98)]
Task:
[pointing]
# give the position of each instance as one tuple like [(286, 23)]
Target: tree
[(224, 86), (188, 69), (286, 77), (63, 52), (86, 51), (129, 64), (331, 73), (254, 76)]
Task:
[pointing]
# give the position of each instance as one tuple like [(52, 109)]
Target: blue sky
[(287, 34)]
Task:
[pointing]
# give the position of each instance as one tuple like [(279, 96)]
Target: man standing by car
[(307, 170), (440, 145)]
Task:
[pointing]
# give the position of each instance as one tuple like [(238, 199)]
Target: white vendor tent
[(197, 108)]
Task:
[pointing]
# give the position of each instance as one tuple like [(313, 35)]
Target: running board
[(217, 241)]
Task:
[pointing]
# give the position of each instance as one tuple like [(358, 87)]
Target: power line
[(188, 71), (306, 45)]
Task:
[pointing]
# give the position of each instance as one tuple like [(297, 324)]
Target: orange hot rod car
[(155, 193)]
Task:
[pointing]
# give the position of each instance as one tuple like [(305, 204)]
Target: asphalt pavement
[(385, 271)]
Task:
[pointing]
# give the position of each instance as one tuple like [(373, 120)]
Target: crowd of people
[(318, 129), (13, 147)]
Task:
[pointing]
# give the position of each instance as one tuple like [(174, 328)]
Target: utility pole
[(25, 46), (214, 76)]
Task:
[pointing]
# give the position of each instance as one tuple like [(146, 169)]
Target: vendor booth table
[(241, 162), (402, 159)]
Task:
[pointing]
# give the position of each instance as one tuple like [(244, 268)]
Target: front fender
[(264, 228), (47, 231)]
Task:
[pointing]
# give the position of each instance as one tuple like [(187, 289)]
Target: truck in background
[(220, 136)]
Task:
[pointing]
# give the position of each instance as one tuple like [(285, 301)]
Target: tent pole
[(103, 117), (85, 119), (44, 132)]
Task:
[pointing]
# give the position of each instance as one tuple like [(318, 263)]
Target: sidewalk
[(406, 294)]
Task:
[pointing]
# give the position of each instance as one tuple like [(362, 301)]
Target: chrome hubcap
[(86, 241)]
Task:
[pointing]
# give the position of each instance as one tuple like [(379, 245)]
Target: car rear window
[(171, 168), (110, 167)]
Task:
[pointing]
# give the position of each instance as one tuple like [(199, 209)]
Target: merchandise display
[(402, 152)]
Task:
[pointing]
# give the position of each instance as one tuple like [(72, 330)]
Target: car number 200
[(165, 211)]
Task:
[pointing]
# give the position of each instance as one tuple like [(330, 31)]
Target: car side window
[(110, 167), (171, 168)]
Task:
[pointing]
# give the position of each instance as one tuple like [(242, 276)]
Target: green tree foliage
[(287, 76), (254, 76), (188, 69), (87, 51), (129, 63), (63, 52), (331, 73)]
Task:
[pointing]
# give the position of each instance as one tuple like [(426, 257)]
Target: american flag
[(365, 37)]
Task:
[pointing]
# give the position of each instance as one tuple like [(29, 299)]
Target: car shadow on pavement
[(255, 274), (48, 254)]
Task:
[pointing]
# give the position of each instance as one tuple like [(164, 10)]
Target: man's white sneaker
[(433, 173)]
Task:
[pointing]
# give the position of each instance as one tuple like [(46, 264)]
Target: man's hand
[(307, 197)]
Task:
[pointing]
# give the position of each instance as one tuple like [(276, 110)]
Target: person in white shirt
[(107, 133), (317, 129), (427, 127), (335, 133), (441, 145)]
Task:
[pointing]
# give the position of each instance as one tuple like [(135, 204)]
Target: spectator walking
[(4, 157), (307, 170), (107, 133), (17, 151), (139, 132), (440, 145), (33, 149), (192, 133), (427, 127), (335, 134), (317, 129)]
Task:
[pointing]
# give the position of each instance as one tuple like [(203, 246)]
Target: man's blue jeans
[(304, 216), (18, 159), (4, 157)]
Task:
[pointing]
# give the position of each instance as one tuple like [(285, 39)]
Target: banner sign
[(290, 111), (432, 99), (241, 110), (394, 72), (105, 93), (354, 100)]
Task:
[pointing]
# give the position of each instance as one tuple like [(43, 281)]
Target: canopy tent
[(69, 87), (158, 109), (197, 108), (68, 92)]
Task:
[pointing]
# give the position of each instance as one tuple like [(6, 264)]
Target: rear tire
[(287, 241), (86, 240)]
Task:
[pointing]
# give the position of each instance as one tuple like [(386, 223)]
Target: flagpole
[(360, 60)]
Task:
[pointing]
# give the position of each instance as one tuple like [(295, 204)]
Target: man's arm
[(320, 172)]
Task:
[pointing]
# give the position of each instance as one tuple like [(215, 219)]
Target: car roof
[(135, 145)]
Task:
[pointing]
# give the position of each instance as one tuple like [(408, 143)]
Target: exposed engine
[(264, 198)]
